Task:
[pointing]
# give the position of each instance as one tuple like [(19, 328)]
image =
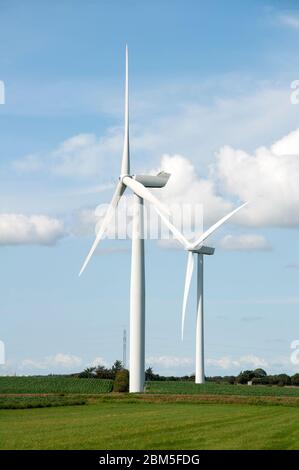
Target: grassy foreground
[(128, 423)]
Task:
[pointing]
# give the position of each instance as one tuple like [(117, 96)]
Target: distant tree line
[(117, 373), (101, 372), (256, 377), (151, 376)]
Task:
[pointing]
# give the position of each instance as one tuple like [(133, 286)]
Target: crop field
[(143, 423), (55, 384), (174, 387), (37, 401)]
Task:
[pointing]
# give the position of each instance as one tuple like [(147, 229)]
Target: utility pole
[(124, 348)]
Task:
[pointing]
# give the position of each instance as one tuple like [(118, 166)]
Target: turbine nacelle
[(203, 250), (153, 181), (149, 181)]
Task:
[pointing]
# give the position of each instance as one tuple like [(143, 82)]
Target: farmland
[(53, 384), (71, 413), (71, 385), (24, 401), (180, 387), (144, 423)]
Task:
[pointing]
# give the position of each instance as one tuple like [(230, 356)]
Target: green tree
[(260, 373), (295, 379), (89, 372), (149, 374), (245, 376), (282, 379), (121, 381), (117, 366), (102, 372)]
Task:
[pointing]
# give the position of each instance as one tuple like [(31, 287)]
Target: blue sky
[(209, 84)]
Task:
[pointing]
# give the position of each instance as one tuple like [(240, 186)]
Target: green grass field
[(220, 389), (137, 424), (170, 415), (53, 384)]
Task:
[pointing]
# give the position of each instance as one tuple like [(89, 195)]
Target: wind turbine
[(196, 249), (138, 184)]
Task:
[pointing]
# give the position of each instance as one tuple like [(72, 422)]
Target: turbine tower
[(138, 184), (197, 249)]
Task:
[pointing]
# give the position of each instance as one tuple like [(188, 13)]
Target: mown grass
[(112, 422), (172, 387), (55, 384)]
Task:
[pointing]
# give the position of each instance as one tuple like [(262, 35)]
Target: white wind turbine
[(138, 184), (197, 249)]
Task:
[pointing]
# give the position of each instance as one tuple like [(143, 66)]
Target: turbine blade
[(144, 193), (120, 188), (189, 271), (177, 234), (214, 227), (125, 165)]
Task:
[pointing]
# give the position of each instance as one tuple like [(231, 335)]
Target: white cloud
[(245, 242), (190, 118), (59, 360), (169, 361), (290, 20), (80, 156), (84, 222), (98, 361), (28, 164), (268, 178), (288, 145), (188, 133), (17, 229), (187, 186), (84, 155), (228, 362)]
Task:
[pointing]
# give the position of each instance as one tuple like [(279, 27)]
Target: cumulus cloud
[(17, 229), (59, 360), (185, 118), (99, 361), (227, 362), (84, 221), (289, 20), (268, 178), (80, 156), (186, 186), (169, 361), (245, 242)]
